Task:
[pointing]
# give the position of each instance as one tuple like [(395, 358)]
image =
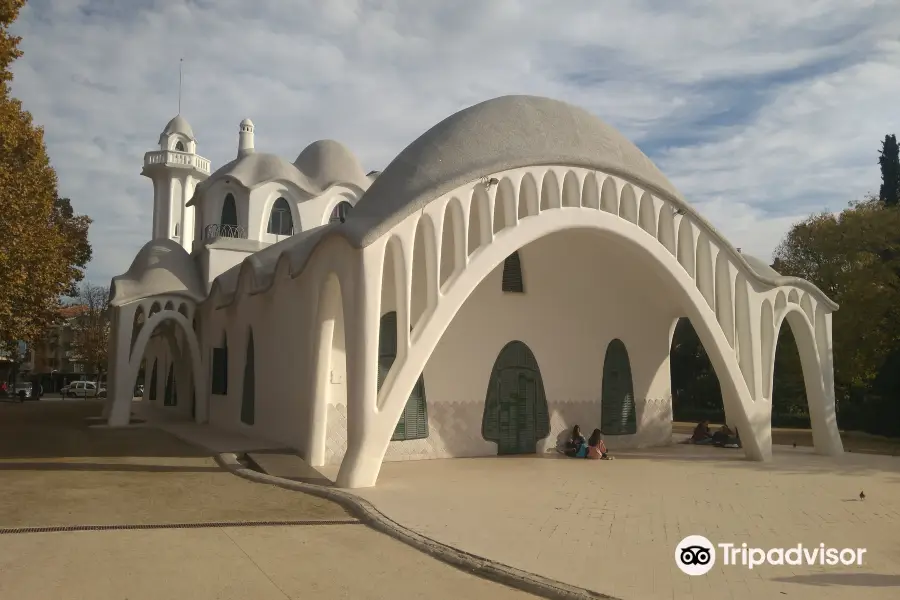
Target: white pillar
[(120, 384)]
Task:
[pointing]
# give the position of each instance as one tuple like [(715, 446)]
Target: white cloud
[(813, 87)]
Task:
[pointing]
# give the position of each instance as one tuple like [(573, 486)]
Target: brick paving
[(612, 526)]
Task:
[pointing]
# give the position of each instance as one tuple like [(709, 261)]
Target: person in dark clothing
[(701, 433), (574, 443)]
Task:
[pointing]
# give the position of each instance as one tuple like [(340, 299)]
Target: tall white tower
[(245, 138), (175, 170)]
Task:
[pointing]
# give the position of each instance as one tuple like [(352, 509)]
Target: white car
[(84, 389)]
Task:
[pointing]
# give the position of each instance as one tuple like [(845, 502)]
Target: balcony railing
[(173, 157), (217, 230)]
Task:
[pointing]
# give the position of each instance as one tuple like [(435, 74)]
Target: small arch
[(529, 203), (665, 229), (423, 286), (504, 206), (744, 332), (229, 211), (179, 146), (479, 219), (686, 246), (340, 212), (704, 267), (724, 297), (183, 309), (780, 303), (413, 422), (807, 306), (453, 241), (628, 204), (171, 392), (618, 415), (609, 196), (515, 415), (154, 308), (280, 220), (170, 305), (767, 338), (794, 297), (550, 197), (153, 378), (175, 233), (647, 214), (590, 192), (512, 275), (248, 398), (571, 196)]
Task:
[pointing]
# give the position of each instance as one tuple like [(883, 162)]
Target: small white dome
[(179, 125), (246, 123)]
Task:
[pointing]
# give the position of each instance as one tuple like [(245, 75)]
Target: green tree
[(42, 249), (90, 328), (854, 257), (889, 159)]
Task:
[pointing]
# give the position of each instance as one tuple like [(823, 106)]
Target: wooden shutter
[(248, 399)]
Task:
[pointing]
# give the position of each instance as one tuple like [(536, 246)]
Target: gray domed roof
[(161, 267), (327, 162), (496, 135), (179, 125)]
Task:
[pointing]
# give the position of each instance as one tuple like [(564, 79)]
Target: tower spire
[(180, 79)]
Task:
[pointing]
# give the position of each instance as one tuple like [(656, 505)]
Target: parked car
[(22, 390), (83, 389)]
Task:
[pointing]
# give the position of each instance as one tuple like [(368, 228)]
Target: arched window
[(413, 422), (280, 220), (248, 400), (179, 146), (512, 275), (340, 212), (617, 410), (229, 212), (152, 390)]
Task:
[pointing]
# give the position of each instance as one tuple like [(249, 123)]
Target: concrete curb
[(371, 516)]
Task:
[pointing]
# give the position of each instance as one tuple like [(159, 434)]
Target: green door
[(515, 409), (617, 410)]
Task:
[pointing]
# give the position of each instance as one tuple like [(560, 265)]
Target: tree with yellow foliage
[(42, 242)]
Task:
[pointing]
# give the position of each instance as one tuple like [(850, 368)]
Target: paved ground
[(54, 470), (612, 526)]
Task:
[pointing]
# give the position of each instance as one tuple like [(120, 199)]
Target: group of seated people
[(577, 447), (723, 438)]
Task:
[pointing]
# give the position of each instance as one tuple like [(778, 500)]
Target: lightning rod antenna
[(180, 80)]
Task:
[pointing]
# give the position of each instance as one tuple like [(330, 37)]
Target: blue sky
[(759, 111)]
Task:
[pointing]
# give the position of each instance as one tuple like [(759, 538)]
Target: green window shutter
[(413, 421), (617, 408), (516, 414), (153, 381), (512, 275), (248, 399)]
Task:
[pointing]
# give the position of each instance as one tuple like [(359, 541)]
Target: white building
[(516, 270)]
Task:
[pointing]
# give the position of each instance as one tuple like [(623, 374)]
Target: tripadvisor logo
[(696, 555)]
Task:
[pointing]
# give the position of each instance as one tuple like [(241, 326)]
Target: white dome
[(161, 267), (179, 125), (327, 162)]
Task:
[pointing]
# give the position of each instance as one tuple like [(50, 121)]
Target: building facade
[(515, 271)]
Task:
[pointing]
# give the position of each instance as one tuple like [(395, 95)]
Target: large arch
[(120, 410), (365, 454), (826, 439)]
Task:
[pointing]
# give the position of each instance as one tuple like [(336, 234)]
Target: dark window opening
[(229, 212), (220, 370), (248, 399), (179, 146), (340, 212), (280, 220), (153, 381), (512, 275)]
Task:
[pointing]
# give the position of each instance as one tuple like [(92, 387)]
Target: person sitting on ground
[(721, 437), (596, 449), (574, 443), (701, 433)]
